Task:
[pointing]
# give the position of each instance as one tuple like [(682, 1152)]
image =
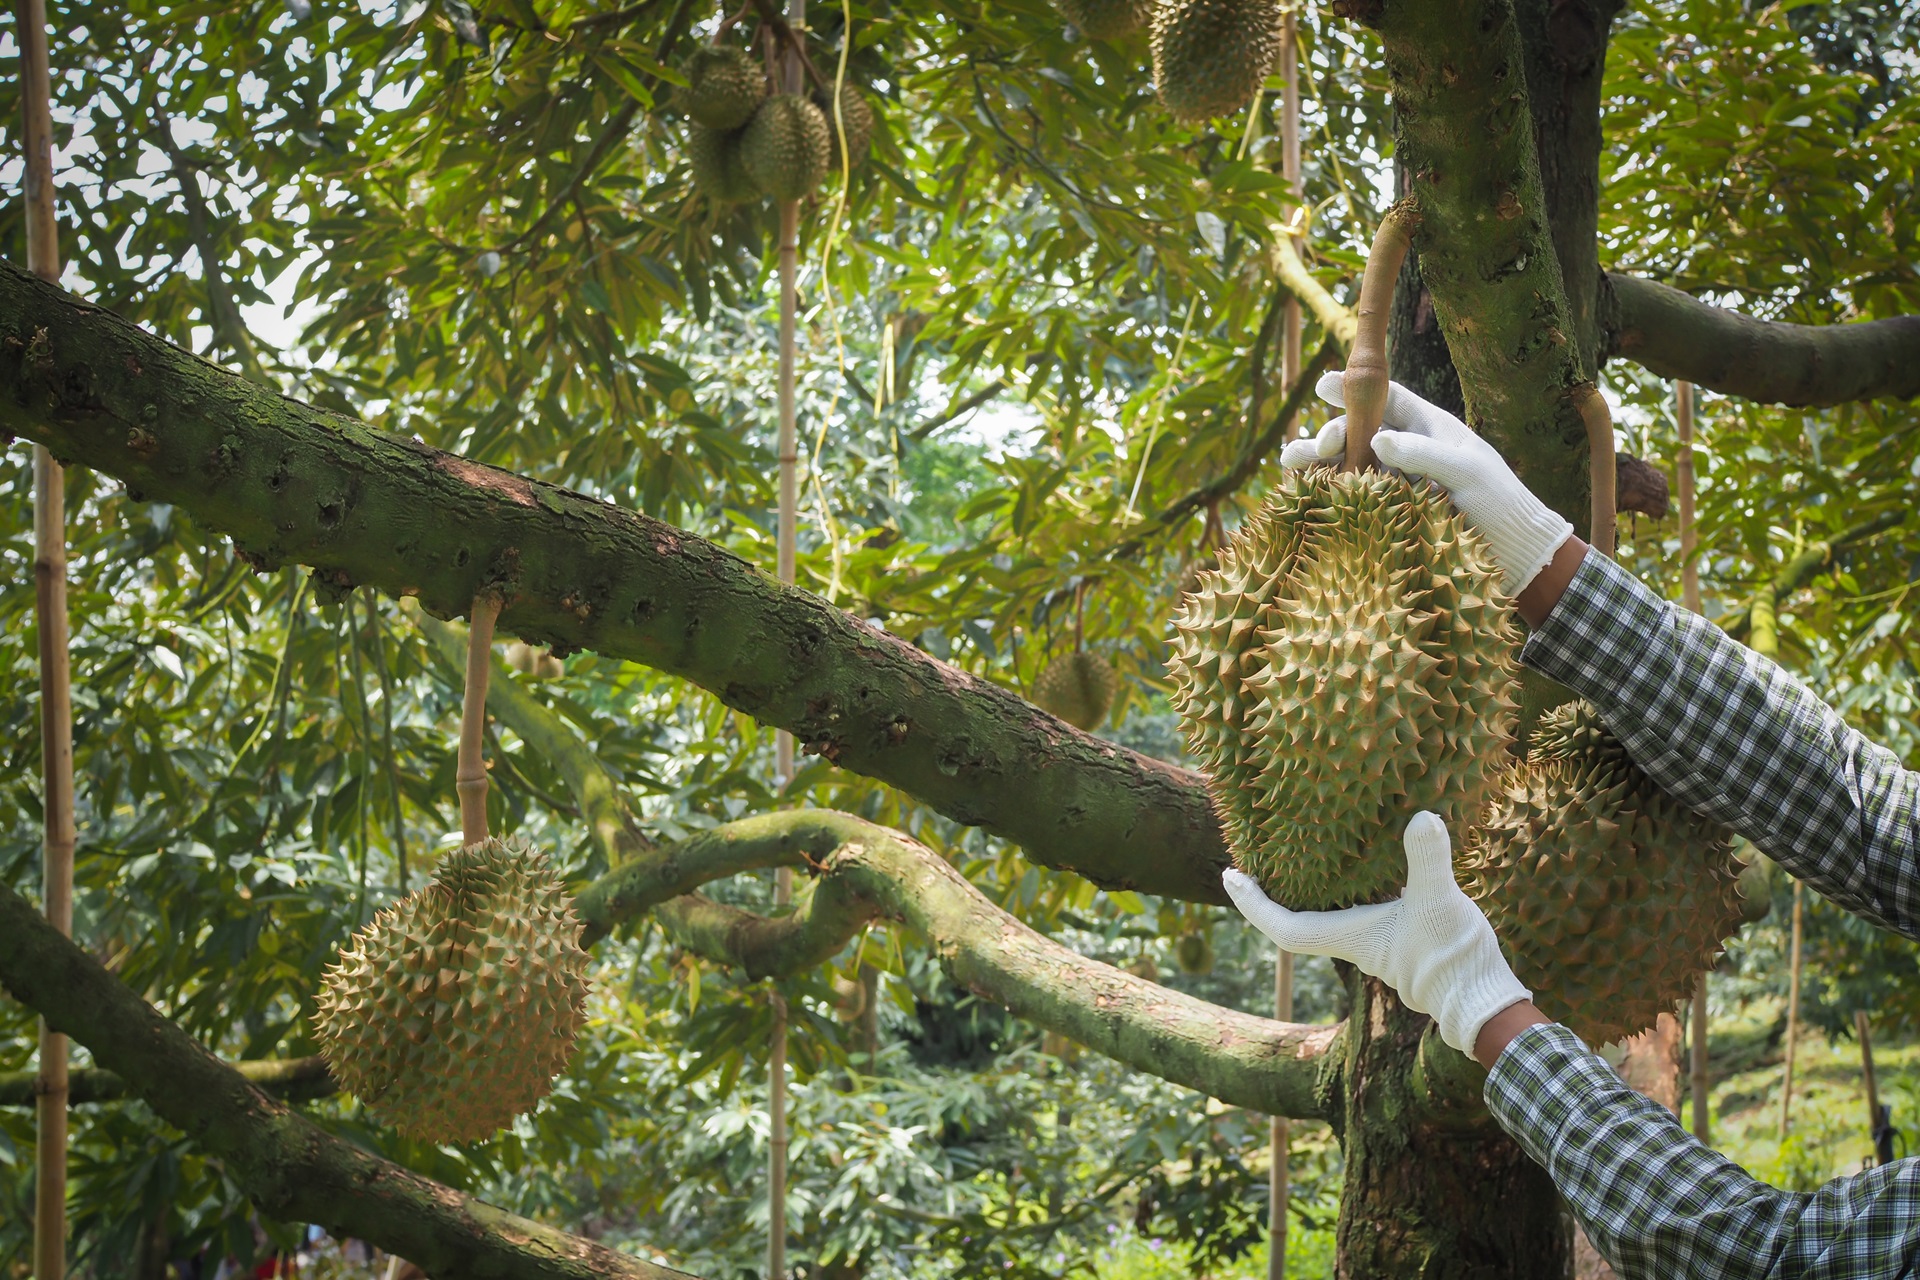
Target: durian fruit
[(856, 116), (1106, 19), (724, 86), (1078, 687), (1609, 897), (451, 1012), (1347, 665), (784, 148), (1193, 952), (1210, 57), (715, 160)]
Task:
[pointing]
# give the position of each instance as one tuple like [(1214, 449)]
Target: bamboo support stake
[(1690, 598), (791, 74), (1365, 385), (1280, 1133), (56, 708), (470, 775), (1793, 1011)]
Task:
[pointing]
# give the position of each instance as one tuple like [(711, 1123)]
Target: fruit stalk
[(470, 777), (1365, 384), (1602, 517)]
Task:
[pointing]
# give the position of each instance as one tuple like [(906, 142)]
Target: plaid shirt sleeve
[(1660, 1206), (1731, 735)]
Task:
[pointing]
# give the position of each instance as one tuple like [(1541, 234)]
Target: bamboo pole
[(1280, 1135), (1690, 597), (56, 708), (1793, 1011), (791, 76)]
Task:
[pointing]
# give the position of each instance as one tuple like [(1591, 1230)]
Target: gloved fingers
[(1357, 934), (1429, 857), (1409, 412), (1328, 445), (1332, 388), (1419, 455)]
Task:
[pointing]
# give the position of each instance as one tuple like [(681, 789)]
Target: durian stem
[(1365, 384), (470, 778), (1602, 518)]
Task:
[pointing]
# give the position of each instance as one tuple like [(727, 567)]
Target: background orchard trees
[(1039, 382)]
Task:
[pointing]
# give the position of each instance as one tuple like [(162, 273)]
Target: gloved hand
[(1432, 944), (1422, 439)]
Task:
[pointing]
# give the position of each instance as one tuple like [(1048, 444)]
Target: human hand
[(1431, 944), (1423, 439)]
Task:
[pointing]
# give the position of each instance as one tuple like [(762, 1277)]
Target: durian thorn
[(1598, 420), (1365, 383), (470, 778)]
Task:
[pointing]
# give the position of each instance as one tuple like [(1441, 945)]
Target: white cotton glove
[(1432, 944), (1423, 439)]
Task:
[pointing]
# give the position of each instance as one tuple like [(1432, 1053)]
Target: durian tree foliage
[(484, 218)]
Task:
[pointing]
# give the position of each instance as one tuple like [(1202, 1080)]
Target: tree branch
[(863, 873), (1799, 571), (292, 483), (1678, 336), (288, 1079), (289, 1167), (1292, 273)]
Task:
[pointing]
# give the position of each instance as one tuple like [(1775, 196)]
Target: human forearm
[(1733, 736)]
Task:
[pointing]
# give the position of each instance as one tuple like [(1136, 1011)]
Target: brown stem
[(470, 779), (1365, 385), (1603, 520)]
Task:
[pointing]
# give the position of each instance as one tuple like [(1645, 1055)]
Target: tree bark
[(292, 483), (1678, 336)]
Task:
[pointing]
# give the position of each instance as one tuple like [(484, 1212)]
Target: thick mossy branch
[(1678, 336), (294, 484), (288, 1079), (289, 1167), (1486, 248), (863, 873)]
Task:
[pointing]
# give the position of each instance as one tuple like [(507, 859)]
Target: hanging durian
[(724, 86), (714, 160), (452, 1011), (784, 148), (1349, 663), (1609, 897), (1193, 952), (1106, 19), (1078, 687), (855, 116), (1210, 57)]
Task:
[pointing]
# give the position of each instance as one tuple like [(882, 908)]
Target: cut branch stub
[(470, 779), (1365, 383)]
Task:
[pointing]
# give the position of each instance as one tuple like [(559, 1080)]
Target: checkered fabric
[(1735, 737), (1660, 1206)]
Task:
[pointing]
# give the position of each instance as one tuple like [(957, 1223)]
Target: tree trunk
[(1434, 1189)]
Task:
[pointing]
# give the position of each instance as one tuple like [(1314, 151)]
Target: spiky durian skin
[(1078, 687), (1106, 19), (713, 158), (453, 1010), (784, 148), (1608, 896), (1210, 57), (724, 86), (1348, 665), (856, 116)]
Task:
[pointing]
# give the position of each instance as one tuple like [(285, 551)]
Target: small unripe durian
[(1210, 57), (1078, 687), (451, 1012), (856, 116), (714, 160), (1106, 19), (784, 148), (724, 85)]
